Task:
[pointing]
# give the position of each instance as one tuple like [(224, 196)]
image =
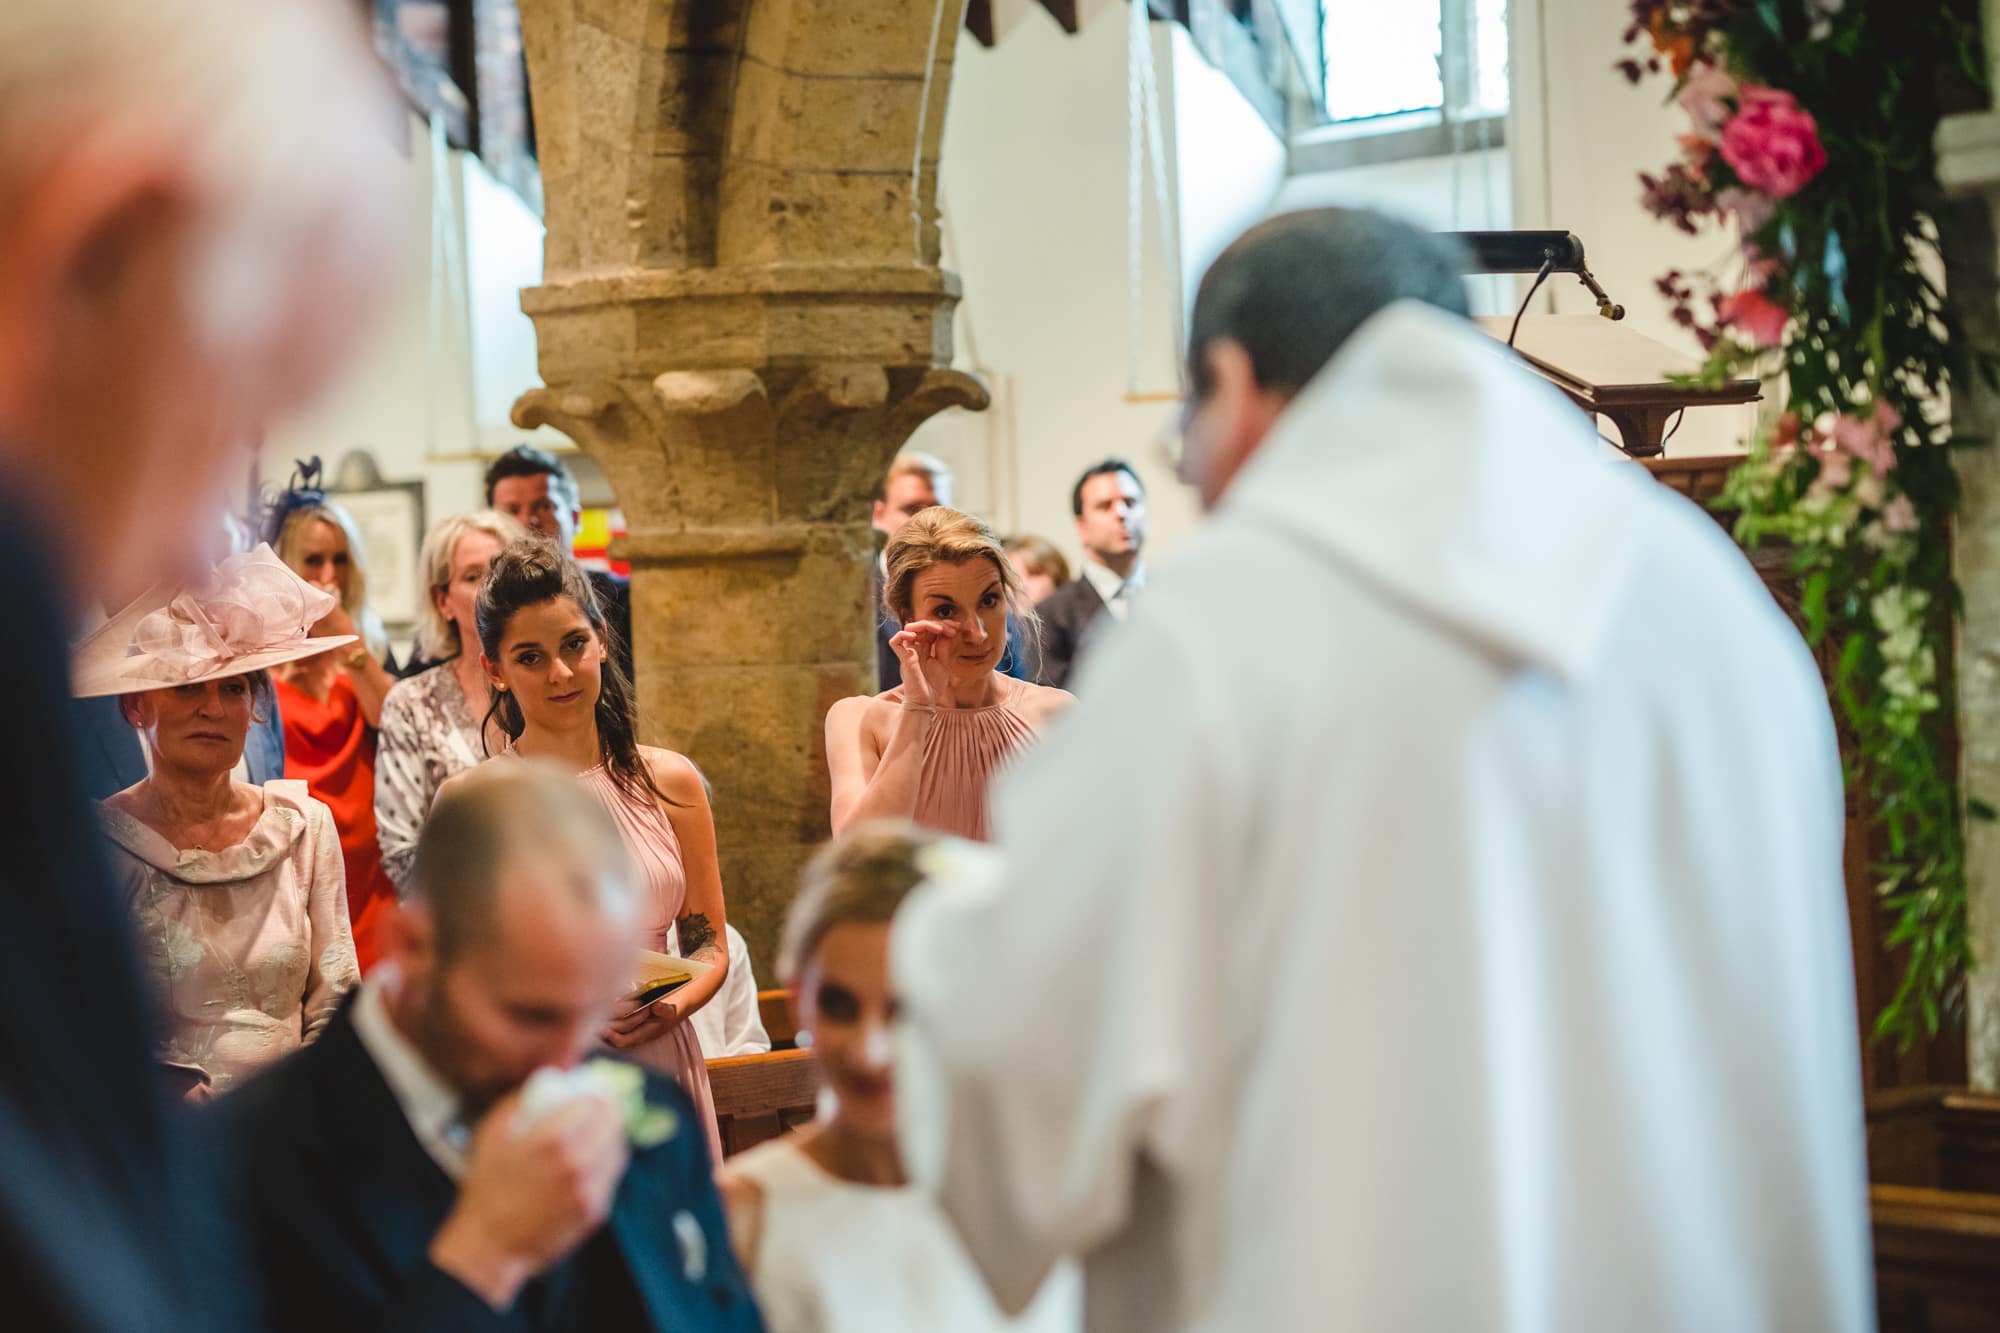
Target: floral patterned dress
[(248, 949), (430, 732)]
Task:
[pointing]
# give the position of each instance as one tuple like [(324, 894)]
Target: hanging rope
[(1146, 147), (448, 288), (917, 153)]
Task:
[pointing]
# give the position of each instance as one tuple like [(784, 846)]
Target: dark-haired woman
[(560, 698)]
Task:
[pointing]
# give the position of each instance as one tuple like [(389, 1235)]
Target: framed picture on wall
[(390, 518)]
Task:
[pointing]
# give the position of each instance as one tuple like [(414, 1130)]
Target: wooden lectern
[(1609, 370)]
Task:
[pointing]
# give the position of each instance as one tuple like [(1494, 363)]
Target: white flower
[(961, 865), (619, 1085)]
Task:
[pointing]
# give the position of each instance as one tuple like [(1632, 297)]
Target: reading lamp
[(1538, 252)]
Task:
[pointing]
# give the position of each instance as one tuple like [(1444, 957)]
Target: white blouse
[(837, 1257)]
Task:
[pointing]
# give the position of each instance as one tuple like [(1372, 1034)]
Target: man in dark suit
[(396, 1175), (532, 487), (128, 393), (917, 482), (1109, 502)]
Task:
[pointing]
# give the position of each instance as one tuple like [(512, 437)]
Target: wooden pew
[(780, 1021), (759, 1097), (1934, 1201)]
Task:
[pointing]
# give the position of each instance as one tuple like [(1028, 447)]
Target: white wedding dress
[(837, 1257)]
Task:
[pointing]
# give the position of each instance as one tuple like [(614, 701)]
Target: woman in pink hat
[(238, 891)]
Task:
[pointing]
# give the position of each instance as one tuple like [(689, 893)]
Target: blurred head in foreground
[(196, 208), (518, 941), (835, 958), (1277, 305)]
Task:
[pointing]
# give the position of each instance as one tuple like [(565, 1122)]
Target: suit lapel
[(373, 1169), (642, 1224)]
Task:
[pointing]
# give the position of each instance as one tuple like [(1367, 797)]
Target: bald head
[(523, 934), (515, 849)]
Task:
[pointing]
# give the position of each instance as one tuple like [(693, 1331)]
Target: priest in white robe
[(1432, 918)]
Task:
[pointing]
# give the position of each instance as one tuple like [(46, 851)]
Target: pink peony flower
[(1835, 471), (1772, 143), (1899, 515), (1705, 97), (1756, 315), (1868, 441)]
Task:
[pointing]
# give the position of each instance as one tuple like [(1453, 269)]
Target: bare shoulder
[(743, 1209), (1041, 704), (861, 712), (675, 775)]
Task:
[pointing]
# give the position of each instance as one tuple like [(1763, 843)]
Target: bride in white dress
[(832, 1233)]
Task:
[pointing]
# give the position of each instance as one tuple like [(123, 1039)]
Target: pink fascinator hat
[(253, 612)]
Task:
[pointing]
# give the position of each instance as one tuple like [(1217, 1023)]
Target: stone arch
[(741, 319)]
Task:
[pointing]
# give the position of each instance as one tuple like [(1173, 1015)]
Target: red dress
[(331, 747)]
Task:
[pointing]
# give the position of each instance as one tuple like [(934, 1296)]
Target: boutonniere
[(961, 866), (623, 1086)]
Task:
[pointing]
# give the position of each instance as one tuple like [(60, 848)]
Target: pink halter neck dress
[(962, 750), (649, 836)]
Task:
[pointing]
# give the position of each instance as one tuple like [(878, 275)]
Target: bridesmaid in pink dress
[(560, 698), (928, 749)]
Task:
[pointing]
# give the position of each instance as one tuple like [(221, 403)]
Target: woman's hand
[(643, 1025), (923, 647), (335, 622)]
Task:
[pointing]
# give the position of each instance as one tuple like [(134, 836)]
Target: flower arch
[(1810, 129)]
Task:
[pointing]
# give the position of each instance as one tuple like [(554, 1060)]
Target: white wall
[(430, 393), (1034, 187), (1580, 135), (1470, 191), (1034, 202)]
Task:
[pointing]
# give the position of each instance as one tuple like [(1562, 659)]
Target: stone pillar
[(741, 319)]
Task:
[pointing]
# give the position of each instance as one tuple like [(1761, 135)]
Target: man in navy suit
[(393, 1176), (1109, 502)]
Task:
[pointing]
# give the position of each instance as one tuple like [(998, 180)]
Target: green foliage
[(1851, 258)]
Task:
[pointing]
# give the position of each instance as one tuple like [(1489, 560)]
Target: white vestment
[(1432, 916)]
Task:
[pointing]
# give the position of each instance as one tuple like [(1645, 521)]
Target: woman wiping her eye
[(927, 749)]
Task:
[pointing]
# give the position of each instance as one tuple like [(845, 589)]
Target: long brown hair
[(533, 572)]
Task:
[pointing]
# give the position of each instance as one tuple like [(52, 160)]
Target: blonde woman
[(927, 749), (432, 722), (1041, 566), (236, 889), (825, 1221), (331, 703)]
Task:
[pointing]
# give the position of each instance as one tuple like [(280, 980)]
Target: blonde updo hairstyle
[(290, 538), (860, 878), (940, 536)]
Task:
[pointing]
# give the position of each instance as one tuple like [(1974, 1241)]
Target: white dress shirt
[(1117, 593), (429, 1103)]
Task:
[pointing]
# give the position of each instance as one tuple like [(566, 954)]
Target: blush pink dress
[(963, 749), (650, 837)]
